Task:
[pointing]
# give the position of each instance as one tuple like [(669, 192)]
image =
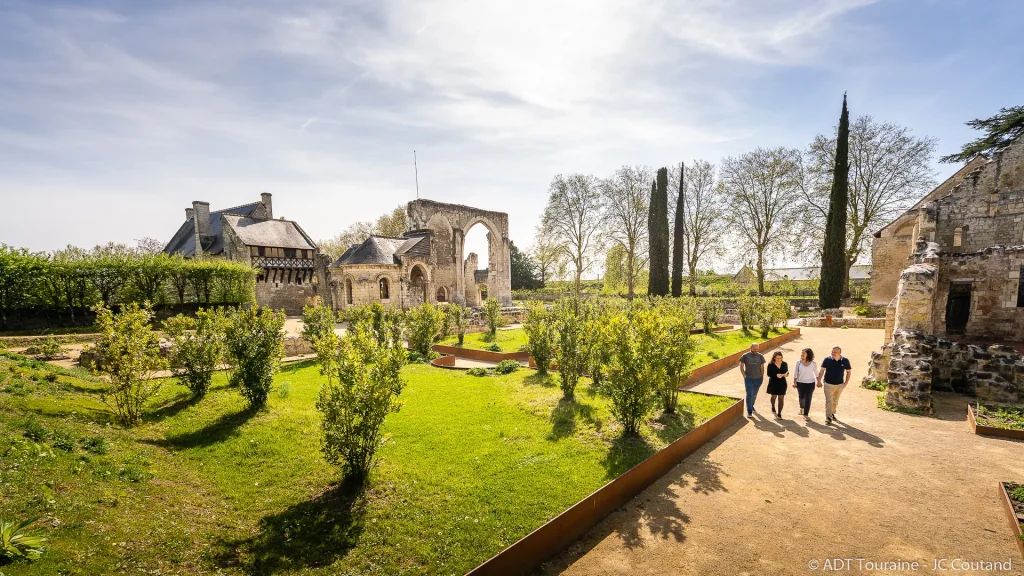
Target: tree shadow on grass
[(624, 453), (669, 427), (296, 366), (214, 432), (172, 406), (312, 533), (537, 379), (565, 415)]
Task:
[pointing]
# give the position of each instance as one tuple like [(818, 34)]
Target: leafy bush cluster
[(254, 345), (48, 349), (363, 384), (424, 325), (637, 353), (198, 346), (763, 313), (73, 279), (541, 335), (506, 367), (130, 354), (492, 314)]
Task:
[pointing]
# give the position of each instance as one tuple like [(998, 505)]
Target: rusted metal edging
[(482, 355), (554, 536)]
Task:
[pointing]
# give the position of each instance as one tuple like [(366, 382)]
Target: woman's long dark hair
[(810, 354), (776, 355)]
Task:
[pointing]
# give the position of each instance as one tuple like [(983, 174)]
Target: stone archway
[(442, 294), (453, 221), (417, 285)]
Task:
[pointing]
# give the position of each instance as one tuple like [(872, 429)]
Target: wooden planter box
[(551, 538), (982, 430), (1011, 515)]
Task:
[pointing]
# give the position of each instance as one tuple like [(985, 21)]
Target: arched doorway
[(417, 285), (442, 294), (482, 291), (348, 292)]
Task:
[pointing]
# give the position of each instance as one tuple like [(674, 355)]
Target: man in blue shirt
[(836, 370)]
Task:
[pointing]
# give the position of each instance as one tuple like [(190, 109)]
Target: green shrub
[(492, 313), (710, 309), (506, 367), (493, 348), (876, 385), (423, 326), (96, 445), (317, 322), (746, 308), (197, 346), (130, 354), (48, 348), (35, 431), (458, 319), (477, 372), (634, 374), (1018, 493), (254, 344), (361, 390), (571, 318), (64, 440), (541, 335), (50, 377), (675, 319), (18, 542)]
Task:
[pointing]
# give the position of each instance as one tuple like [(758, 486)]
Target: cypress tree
[(679, 236), (657, 233), (833, 256)]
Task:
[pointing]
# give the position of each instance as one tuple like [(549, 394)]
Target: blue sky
[(116, 115)]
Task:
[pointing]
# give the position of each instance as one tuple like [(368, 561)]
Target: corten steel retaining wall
[(482, 355), (1011, 515), (551, 538), (982, 430), (446, 361), (702, 372)]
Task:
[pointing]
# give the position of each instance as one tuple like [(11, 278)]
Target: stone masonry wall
[(994, 275), (919, 364)]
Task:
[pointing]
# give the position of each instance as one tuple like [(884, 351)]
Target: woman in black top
[(778, 371)]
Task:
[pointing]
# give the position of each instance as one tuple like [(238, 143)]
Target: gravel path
[(770, 497)]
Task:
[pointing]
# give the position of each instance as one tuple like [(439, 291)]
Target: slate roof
[(374, 250), (184, 240), (276, 233)]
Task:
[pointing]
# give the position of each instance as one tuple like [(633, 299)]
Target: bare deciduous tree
[(627, 197), (572, 218), (549, 256), (392, 224), (762, 188), (703, 216), (889, 170)]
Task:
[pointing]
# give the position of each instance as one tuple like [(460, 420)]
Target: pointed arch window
[(958, 236)]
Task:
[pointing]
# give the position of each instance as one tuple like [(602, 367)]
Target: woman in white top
[(805, 377)]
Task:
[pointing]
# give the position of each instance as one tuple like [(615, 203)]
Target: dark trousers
[(805, 391)]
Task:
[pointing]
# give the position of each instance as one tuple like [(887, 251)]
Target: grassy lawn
[(711, 347), (471, 465), (509, 340)]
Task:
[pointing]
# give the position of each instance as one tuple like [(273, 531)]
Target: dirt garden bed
[(996, 420), (1012, 496)]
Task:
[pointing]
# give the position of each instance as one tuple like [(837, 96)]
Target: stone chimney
[(188, 214), (268, 204), (201, 211)]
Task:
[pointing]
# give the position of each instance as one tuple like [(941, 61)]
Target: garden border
[(982, 430), (1011, 515), (701, 372), (482, 355), (558, 533)]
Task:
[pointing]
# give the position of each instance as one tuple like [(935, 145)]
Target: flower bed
[(996, 420), (1012, 496)]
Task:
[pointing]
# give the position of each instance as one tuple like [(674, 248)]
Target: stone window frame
[(384, 288), (958, 236)]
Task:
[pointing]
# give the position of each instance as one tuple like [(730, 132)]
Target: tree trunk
[(760, 272)]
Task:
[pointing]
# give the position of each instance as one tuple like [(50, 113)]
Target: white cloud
[(323, 104)]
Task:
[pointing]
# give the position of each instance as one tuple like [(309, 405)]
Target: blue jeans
[(752, 385)]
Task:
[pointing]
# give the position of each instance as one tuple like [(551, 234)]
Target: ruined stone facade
[(292, 271), (427, 264), (964, 282)]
